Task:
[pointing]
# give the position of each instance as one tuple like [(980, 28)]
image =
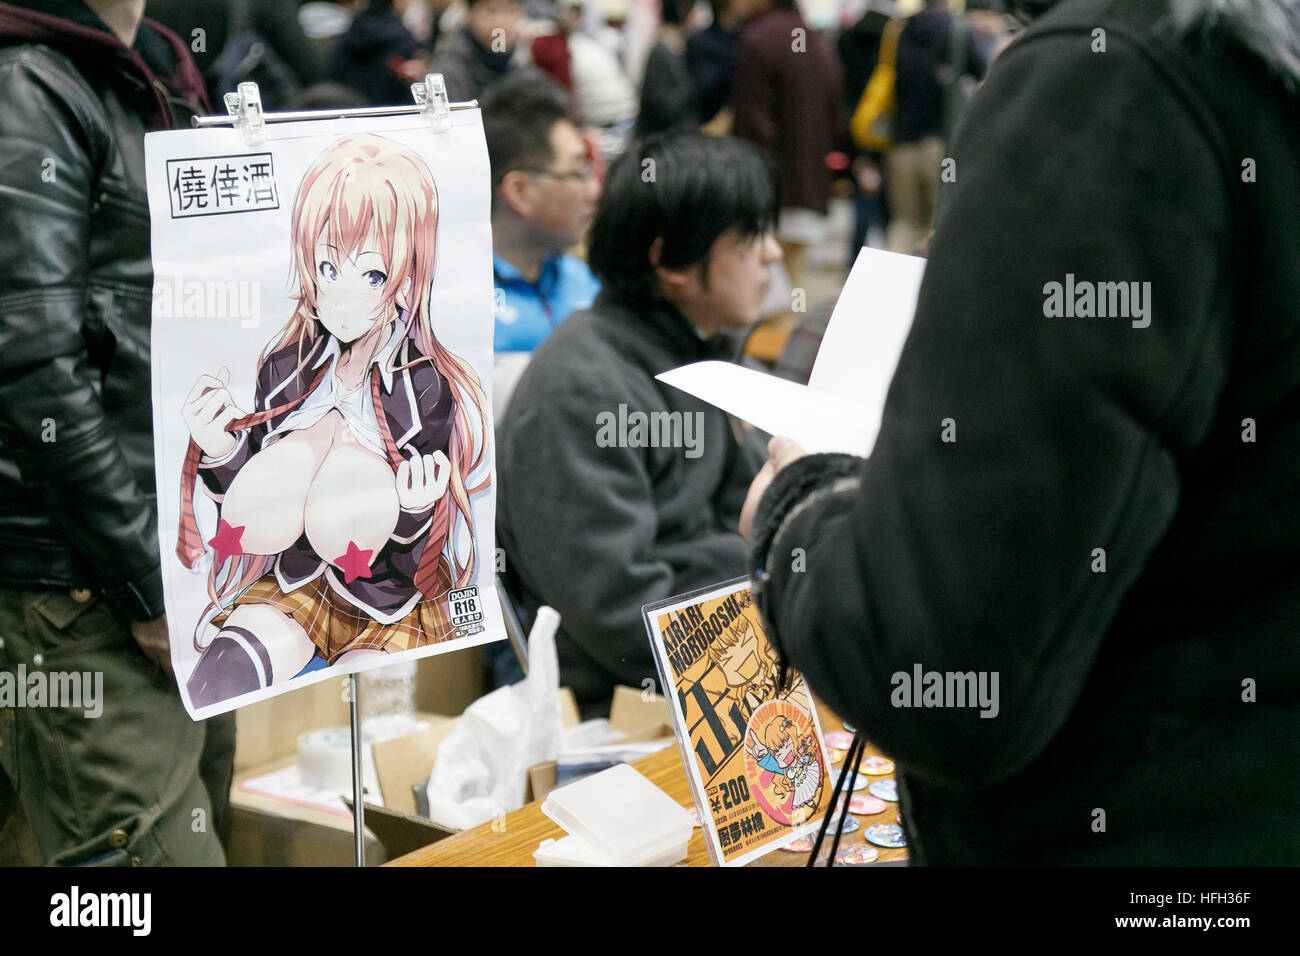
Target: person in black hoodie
[(711, 60), (1087, 477), (206, 26), (375, 56), (667, 94), (81, 593), (859, 50)]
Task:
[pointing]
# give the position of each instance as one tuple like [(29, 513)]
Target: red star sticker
[(355, 564), (226, 543)]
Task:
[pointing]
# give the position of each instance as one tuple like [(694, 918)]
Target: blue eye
[(375, 278), (327, 270)]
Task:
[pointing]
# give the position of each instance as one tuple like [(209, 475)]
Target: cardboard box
[(408, 760), (270, 832), (265, 831), (639, 715), (268, 731), (448, 683)]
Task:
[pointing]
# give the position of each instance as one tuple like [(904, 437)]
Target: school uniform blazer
[(419, 408)]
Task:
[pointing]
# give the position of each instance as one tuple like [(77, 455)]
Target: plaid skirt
[(336, 627)]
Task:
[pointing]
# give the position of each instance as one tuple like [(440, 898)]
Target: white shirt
[(356, 406)]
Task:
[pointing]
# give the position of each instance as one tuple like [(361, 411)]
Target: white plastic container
[(621, 818), (566, 851)]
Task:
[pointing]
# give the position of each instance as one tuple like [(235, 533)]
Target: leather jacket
[(77, 501)]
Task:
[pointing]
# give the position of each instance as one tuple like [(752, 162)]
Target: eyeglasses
[(574, 176)]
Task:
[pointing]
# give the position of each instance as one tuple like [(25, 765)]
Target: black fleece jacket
[(1115, 530), (598, 528)]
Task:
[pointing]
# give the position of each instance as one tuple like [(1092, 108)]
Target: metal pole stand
[(358, 790)]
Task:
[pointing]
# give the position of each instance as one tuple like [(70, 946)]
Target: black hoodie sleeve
[(984, 553)]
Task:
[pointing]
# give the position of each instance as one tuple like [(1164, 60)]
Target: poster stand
[(244, 113)]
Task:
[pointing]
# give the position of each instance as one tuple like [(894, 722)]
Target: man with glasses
[(543, 198)]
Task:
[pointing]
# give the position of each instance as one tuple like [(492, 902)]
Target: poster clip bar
[(244, 110), (246, 107), (432, 96)]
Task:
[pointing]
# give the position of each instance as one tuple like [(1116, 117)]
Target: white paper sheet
[(840, 408)]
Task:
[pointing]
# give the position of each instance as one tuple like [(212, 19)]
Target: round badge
[(860, 783), (850, 728), (801, 845), (850, 826), (783, 763), (857, 855), (865, 806), (838, 740), (857, 783), (876, 765), (837, 756), (886, 834), (884, 789)]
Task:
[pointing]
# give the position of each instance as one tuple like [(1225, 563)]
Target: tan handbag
[(873, 119)]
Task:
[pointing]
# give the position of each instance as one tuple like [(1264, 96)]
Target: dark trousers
[(101, 765)]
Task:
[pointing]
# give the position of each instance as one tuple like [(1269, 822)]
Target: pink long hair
[(368, 187)]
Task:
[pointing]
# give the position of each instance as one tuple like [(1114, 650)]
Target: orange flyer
[(754, 755)]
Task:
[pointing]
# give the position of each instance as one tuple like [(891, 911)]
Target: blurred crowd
[(637, 67)]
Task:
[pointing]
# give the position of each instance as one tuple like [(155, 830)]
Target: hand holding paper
[(781, 451)]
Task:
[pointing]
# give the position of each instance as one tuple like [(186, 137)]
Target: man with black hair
[(617, 490), (543, 198)]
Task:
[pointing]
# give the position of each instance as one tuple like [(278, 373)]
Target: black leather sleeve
[(50, 139)]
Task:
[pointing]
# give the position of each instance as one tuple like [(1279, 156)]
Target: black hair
[(686, 189), (519, 113)]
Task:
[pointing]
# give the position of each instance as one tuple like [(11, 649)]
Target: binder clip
[(432, 96), (246, 107)]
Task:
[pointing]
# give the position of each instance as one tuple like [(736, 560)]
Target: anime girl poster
[(753, 753), (322, 345)]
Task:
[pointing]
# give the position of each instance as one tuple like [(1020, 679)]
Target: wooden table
[(510, 841)]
